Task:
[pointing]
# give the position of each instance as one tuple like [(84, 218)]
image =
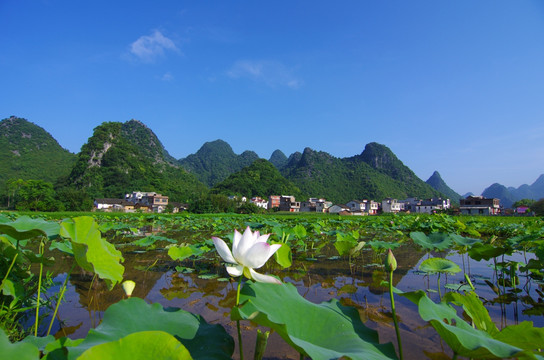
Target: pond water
[(209, 292)]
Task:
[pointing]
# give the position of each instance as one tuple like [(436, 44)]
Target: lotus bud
[(390, 261), (129, 286)]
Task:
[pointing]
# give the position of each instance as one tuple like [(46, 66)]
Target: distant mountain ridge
[(374, 174), (215, 161), (437, 183), (122, 157), (27, 151), (509, 195)]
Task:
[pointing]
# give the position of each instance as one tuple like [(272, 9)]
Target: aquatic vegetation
[(355, 250)]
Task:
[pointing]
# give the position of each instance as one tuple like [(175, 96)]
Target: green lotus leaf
[(283, 255), (343, 247), (299, 231), (91, 251), (523, 335), (180, 252), (462, 338), (307, 327), (434, 241), (25, 227), (480, 251), (202, 340), (464, 241), (151, 239), (142, 345), (19, 351), (439, 265), (474, 308), (63, 245), (379, 244)]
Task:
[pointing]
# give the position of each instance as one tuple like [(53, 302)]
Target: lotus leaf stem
[(41, 251), (61, 295), (238, 321), (393, 312), (9, 270)]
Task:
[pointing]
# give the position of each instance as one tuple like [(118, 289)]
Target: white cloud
[(271, 73), (167, 77), (149, 47)]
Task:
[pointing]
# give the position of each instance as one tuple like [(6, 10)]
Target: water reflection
[(357, 283)]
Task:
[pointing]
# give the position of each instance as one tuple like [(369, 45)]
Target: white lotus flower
[(249, 251)]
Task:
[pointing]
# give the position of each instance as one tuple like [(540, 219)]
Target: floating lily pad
[(439, 265)]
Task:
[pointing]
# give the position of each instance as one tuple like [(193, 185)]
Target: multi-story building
[(479, 205), (152, 200), (391, 205), (274, 201), (315, 205), (288, 203)]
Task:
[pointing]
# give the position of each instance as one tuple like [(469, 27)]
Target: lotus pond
[(464, 286)]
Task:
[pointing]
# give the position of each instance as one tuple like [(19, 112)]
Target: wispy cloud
[(149, 47), (167, 77), (271, 73)]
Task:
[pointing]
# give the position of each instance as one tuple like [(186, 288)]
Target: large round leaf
[(439, 265), (25, 227), (463, 339), (309, 327), (19, 351), (283, 255), (438, 241), (142, 345), (93, 253), (481, 251), (204, 341), (464, 241)]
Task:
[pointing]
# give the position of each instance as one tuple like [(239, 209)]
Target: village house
[(109, 205), (274, 201), (391, 205), (148, 200), (178, 207), (315, 205), (363, 207), (288, 203), (428, 206), (259, 202), (479, 205), (340, 209)]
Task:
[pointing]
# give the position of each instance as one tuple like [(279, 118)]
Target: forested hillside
[(259, 179), (121, 158), (27, 151), (215, 161), (375, 174)]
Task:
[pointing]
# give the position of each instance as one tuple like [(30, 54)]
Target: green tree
[(13, 186), (74, 200), (37, 195), (538, 207), (523, 202)]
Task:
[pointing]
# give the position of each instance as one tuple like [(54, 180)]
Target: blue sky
[(453, 86)]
